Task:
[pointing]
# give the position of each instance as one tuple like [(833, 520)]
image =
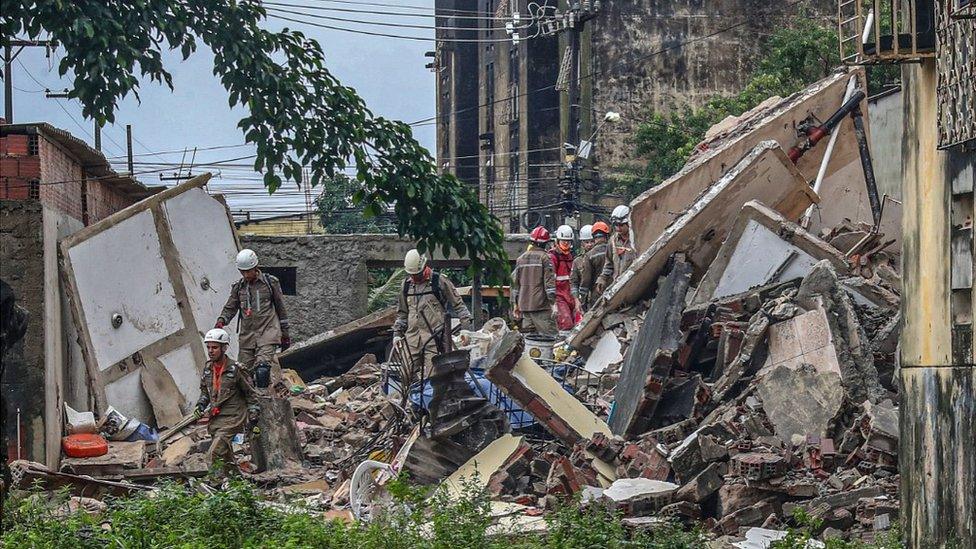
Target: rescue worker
[(263, 321), (567, 313), (589, 264), (620, 252), (534, 287), (425, 299), (227, 397)]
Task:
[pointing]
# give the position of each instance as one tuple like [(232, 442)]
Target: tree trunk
[(276, 446)]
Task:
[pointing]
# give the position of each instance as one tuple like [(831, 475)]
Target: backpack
[(435, 288)]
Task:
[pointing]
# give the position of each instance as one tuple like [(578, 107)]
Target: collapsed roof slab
[(144, 284), (763, 248), (334, 351), (843, 187), (765, 172)]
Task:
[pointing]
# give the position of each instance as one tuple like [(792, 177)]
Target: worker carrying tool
[(620, 252), (427, 301), (263, 321), (589, 264), (534, 287), (227, 397), (567, 312)]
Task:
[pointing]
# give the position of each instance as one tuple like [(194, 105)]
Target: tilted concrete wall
[(331, 272)]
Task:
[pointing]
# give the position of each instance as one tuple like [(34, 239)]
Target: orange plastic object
[(84, 445)]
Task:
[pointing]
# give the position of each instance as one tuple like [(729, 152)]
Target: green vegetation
[(339, 215), (799, 537), (796, 55), (300, 117), (179, 516)]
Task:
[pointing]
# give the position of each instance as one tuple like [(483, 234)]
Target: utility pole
[(128, 146), (8, 81)]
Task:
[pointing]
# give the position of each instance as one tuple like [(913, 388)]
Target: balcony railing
[(886, 31)]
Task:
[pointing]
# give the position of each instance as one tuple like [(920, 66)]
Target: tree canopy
[(300, 115)]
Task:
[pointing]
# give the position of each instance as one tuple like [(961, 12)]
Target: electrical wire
[(379, 23), (474, 13), (434, 15), (629, 62), (387, 35)]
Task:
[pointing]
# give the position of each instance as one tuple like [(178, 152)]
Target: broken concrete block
[(686, 460), (859, 377), (540, 394), (702, 485), (764, 172), (800, 400), (711, 449), (759, 465), (120, 456), (634, 496), (176, 451), (651, 356), (753, 515), (734, 497), (478, 470)]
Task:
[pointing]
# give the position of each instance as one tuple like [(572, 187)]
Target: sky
[(387, 72)]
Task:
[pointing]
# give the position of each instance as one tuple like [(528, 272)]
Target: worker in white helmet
[(227, 397), (425, 300), (262, 320), (620, 250), (581, 291), (567, 313)]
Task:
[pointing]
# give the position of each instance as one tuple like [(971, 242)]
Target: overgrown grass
[(179, 517)]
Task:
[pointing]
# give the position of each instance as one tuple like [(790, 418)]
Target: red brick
[(13, 145)]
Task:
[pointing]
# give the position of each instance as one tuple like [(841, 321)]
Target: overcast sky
[(387, 72)]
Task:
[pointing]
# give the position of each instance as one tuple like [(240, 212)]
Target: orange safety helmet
[(539, 235), (601, 227)]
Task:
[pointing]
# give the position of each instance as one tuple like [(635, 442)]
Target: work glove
[(555, 310), (200, 408), (516, 313), (600, 285), (219, 324), (285, 343)]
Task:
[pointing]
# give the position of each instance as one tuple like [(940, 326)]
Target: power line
[(391, 14), (378, 23), (612, 67), (454, 12), (387, 35)]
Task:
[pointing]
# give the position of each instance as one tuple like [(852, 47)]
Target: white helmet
[(217, 335), (620, 215), (564, 232), (586, 232), (414, 262), (246, 260)]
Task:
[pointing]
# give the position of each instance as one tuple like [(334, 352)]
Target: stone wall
[(331, 270)]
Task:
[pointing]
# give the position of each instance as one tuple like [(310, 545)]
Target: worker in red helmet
[(534, 287), (567, 312)]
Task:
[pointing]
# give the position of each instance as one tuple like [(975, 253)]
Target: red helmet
[(539, 235), (601, 227)]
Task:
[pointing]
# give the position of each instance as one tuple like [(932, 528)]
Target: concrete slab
[(605, 353), (764, 173), (153, 300), (843, 188), (800, 382), (336, 350), (763, 247)]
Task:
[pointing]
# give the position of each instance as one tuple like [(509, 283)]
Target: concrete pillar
[(938, 404)]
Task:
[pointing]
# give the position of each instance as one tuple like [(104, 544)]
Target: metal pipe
[(868, 167), (851, 86)]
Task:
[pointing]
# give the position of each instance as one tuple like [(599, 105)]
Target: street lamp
[(586, 146)]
